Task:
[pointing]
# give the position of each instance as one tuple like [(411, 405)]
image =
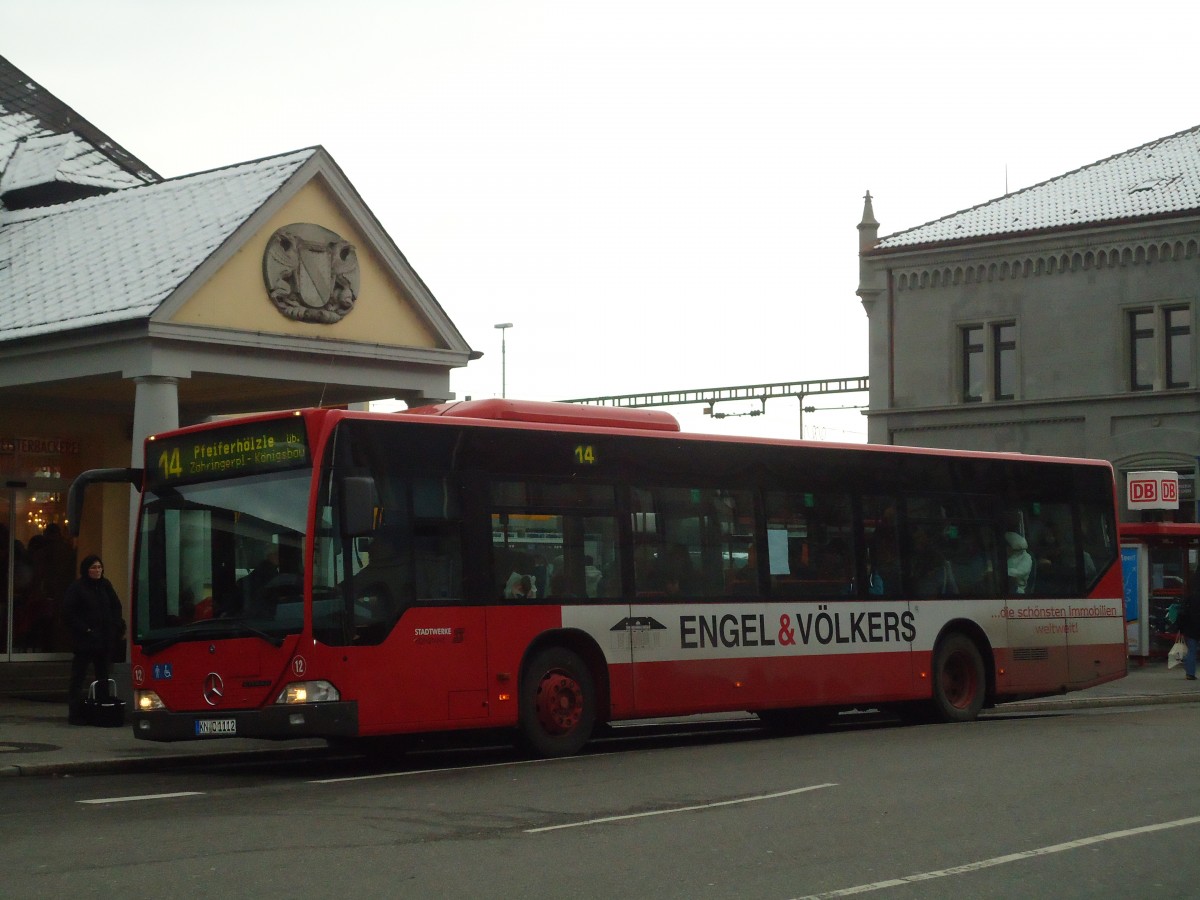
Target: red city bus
[(549, 567)]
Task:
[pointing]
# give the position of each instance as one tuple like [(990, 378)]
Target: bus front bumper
[(276, 723)]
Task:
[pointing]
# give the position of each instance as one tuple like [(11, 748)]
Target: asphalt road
[(1088, 803)]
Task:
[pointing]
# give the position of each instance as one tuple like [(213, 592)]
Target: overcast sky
[(658, 195)]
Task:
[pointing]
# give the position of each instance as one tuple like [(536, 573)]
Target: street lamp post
[(503, 326)]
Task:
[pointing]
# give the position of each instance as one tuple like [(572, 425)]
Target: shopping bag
[(1176, 654)]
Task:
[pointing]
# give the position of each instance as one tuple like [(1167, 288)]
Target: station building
[(1058, 319), (132, 303)]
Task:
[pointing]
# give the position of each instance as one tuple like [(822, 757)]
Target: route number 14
[(170, 464)]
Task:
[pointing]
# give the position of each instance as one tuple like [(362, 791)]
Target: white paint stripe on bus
[(1007, 858), (667, 812), (144, 797)]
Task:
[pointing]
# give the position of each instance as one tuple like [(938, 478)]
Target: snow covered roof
[(43, 139), (1158, 179), (118, 256), (91, 236)]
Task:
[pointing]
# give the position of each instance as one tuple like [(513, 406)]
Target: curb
[(126, 765), (1095, 702)]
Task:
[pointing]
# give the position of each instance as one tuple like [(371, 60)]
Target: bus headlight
[(147, 701), (308, 692)]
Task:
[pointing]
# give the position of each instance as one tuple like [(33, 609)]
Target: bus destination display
[(227, 453)]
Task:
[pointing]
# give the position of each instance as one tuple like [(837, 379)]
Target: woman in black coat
[(93, 616)]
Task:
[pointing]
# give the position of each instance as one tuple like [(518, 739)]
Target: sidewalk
[(35, 738)]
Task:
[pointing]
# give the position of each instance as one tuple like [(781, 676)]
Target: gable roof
[(118, 256), (1156, 180), (41, 138), (127, 255)]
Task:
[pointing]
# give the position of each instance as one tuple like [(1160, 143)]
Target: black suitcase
[(105, 712)]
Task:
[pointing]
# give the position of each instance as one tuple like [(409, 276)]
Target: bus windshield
[(222, 559)]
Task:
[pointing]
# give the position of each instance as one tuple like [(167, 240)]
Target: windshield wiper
[(209, 629), (273, 639)]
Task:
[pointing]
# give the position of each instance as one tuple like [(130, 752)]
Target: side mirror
[(95, 476), (359, 502)]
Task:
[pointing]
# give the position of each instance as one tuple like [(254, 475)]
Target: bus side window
[(520, 543), (413, 555), (644, 522), (975, 557), (954, 548), (436, 539), (810, 544), (554, 541), (694, 542), (1097, 540), (1050, 535), (882, 541)]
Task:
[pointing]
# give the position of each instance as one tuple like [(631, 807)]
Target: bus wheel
[(558, 703), (958, 680)]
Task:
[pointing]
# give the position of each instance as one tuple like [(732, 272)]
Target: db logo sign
[(1143, 491), (1153, 490)]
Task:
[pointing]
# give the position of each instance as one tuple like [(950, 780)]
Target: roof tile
[(1156, 179), (28, 110), (117, 256)]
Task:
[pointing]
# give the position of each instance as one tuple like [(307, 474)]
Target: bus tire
[(557, 710), (959, 683)]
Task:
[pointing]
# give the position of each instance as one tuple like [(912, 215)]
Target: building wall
[(1069, 296)]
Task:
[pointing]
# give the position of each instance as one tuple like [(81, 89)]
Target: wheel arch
[(585, 647), (979, 638)]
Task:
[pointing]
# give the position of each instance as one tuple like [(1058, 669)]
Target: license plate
[(205, 727)]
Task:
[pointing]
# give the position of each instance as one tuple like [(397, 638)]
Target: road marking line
[(405, 774), (144, 797), (666, 812), (1007, 858)]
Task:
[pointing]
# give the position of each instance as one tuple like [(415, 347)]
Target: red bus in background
[(549, 567)]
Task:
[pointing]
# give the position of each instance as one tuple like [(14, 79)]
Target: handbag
[(105, 712), (1176, 654)]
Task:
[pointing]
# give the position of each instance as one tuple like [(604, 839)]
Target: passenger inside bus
[(592, 576), (1020, 563), (520, 587)]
